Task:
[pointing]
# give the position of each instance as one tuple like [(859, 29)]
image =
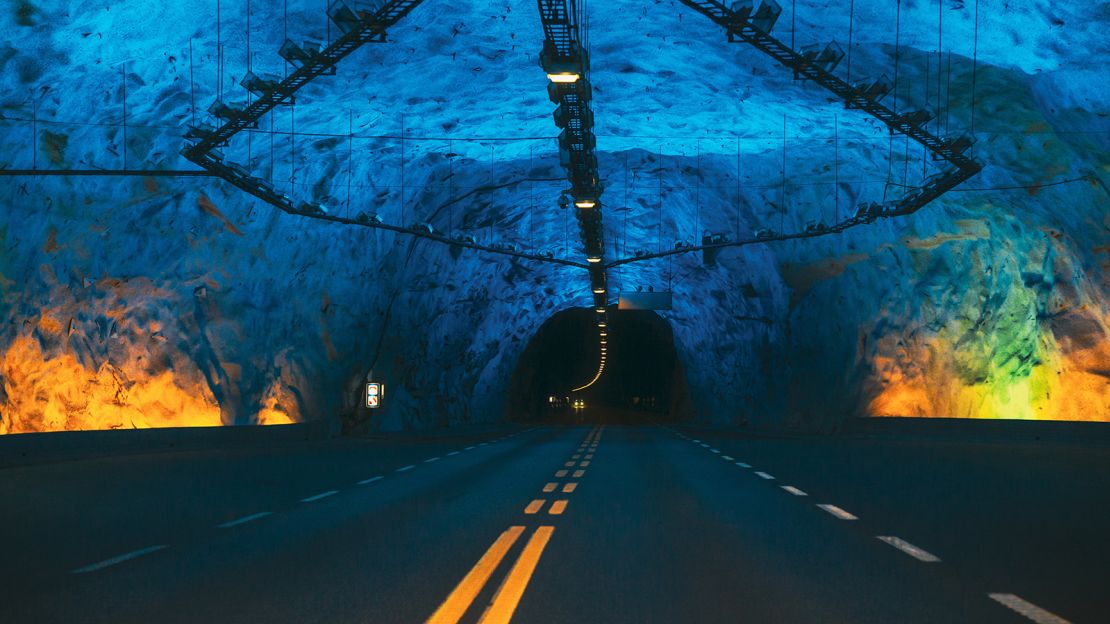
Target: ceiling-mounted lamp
[(599, 290), (564, 77), (593, 259), (585, 203)]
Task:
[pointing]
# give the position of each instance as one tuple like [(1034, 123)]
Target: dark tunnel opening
[(643, 378)]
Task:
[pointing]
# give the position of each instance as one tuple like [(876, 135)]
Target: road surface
[(598, 523)]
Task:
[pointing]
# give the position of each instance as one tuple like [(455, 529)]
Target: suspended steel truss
[(360, 23)]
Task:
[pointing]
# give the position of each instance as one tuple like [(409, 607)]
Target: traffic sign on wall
[(374, 393)]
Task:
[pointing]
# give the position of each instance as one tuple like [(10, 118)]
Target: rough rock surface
[(153, 301)]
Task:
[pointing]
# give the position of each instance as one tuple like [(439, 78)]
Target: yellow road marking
[(560, 473), (550, 487), (508, 595), (534, 506), (453, 609), (557, 507), (570, 487), (579, 473)]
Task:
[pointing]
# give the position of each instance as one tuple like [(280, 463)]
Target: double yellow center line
[(504, 603), (508, 595)]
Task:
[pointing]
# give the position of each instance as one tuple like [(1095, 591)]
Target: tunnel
[(643, 379), (555, 311)]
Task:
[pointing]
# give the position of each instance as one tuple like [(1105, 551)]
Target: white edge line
[(1028, 609), (316, 497), (100, 565), (370, 480), (909, 549), (243, 520)]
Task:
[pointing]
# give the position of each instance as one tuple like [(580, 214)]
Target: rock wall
[(152, 301)]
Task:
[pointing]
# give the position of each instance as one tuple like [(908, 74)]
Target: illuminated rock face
[(134, 302)]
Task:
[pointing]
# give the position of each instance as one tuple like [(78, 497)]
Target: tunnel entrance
[(642, 380)]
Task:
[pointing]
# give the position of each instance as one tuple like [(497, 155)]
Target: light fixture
[(593, 259), (600, 290), (600, 309), (563, 77), (585, 204), (601, 323), (604, 333)]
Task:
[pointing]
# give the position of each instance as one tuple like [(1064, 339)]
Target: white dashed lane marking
[(793, 490), (1028, 609), (743, 465), (243, 520), (430, 460), (909, 549), (316, 497), (100, 565), (370, 480), (409, 467), (764, 475), (838, 512)]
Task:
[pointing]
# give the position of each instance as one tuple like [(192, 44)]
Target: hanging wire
[(737, 188), (974, 71), (836, 168), (192, 85), (897, 52), (697, 195), (782, 209), (293, 149), (35, 130), (123, 81), (350, 156), (659, 236), (851, 32), (219, 55), (948, 95), (940, 54)]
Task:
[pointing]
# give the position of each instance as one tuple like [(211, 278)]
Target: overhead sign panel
[(660, 300)]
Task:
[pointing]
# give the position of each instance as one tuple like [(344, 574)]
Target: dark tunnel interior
[(643, 377)]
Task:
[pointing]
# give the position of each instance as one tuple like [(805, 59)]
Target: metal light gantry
[(365, 22), (743, 23), (565, 59), (567, 64)]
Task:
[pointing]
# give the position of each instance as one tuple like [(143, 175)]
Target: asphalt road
[(603, 523)]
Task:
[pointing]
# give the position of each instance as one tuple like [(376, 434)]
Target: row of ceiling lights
[(567, 68)]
